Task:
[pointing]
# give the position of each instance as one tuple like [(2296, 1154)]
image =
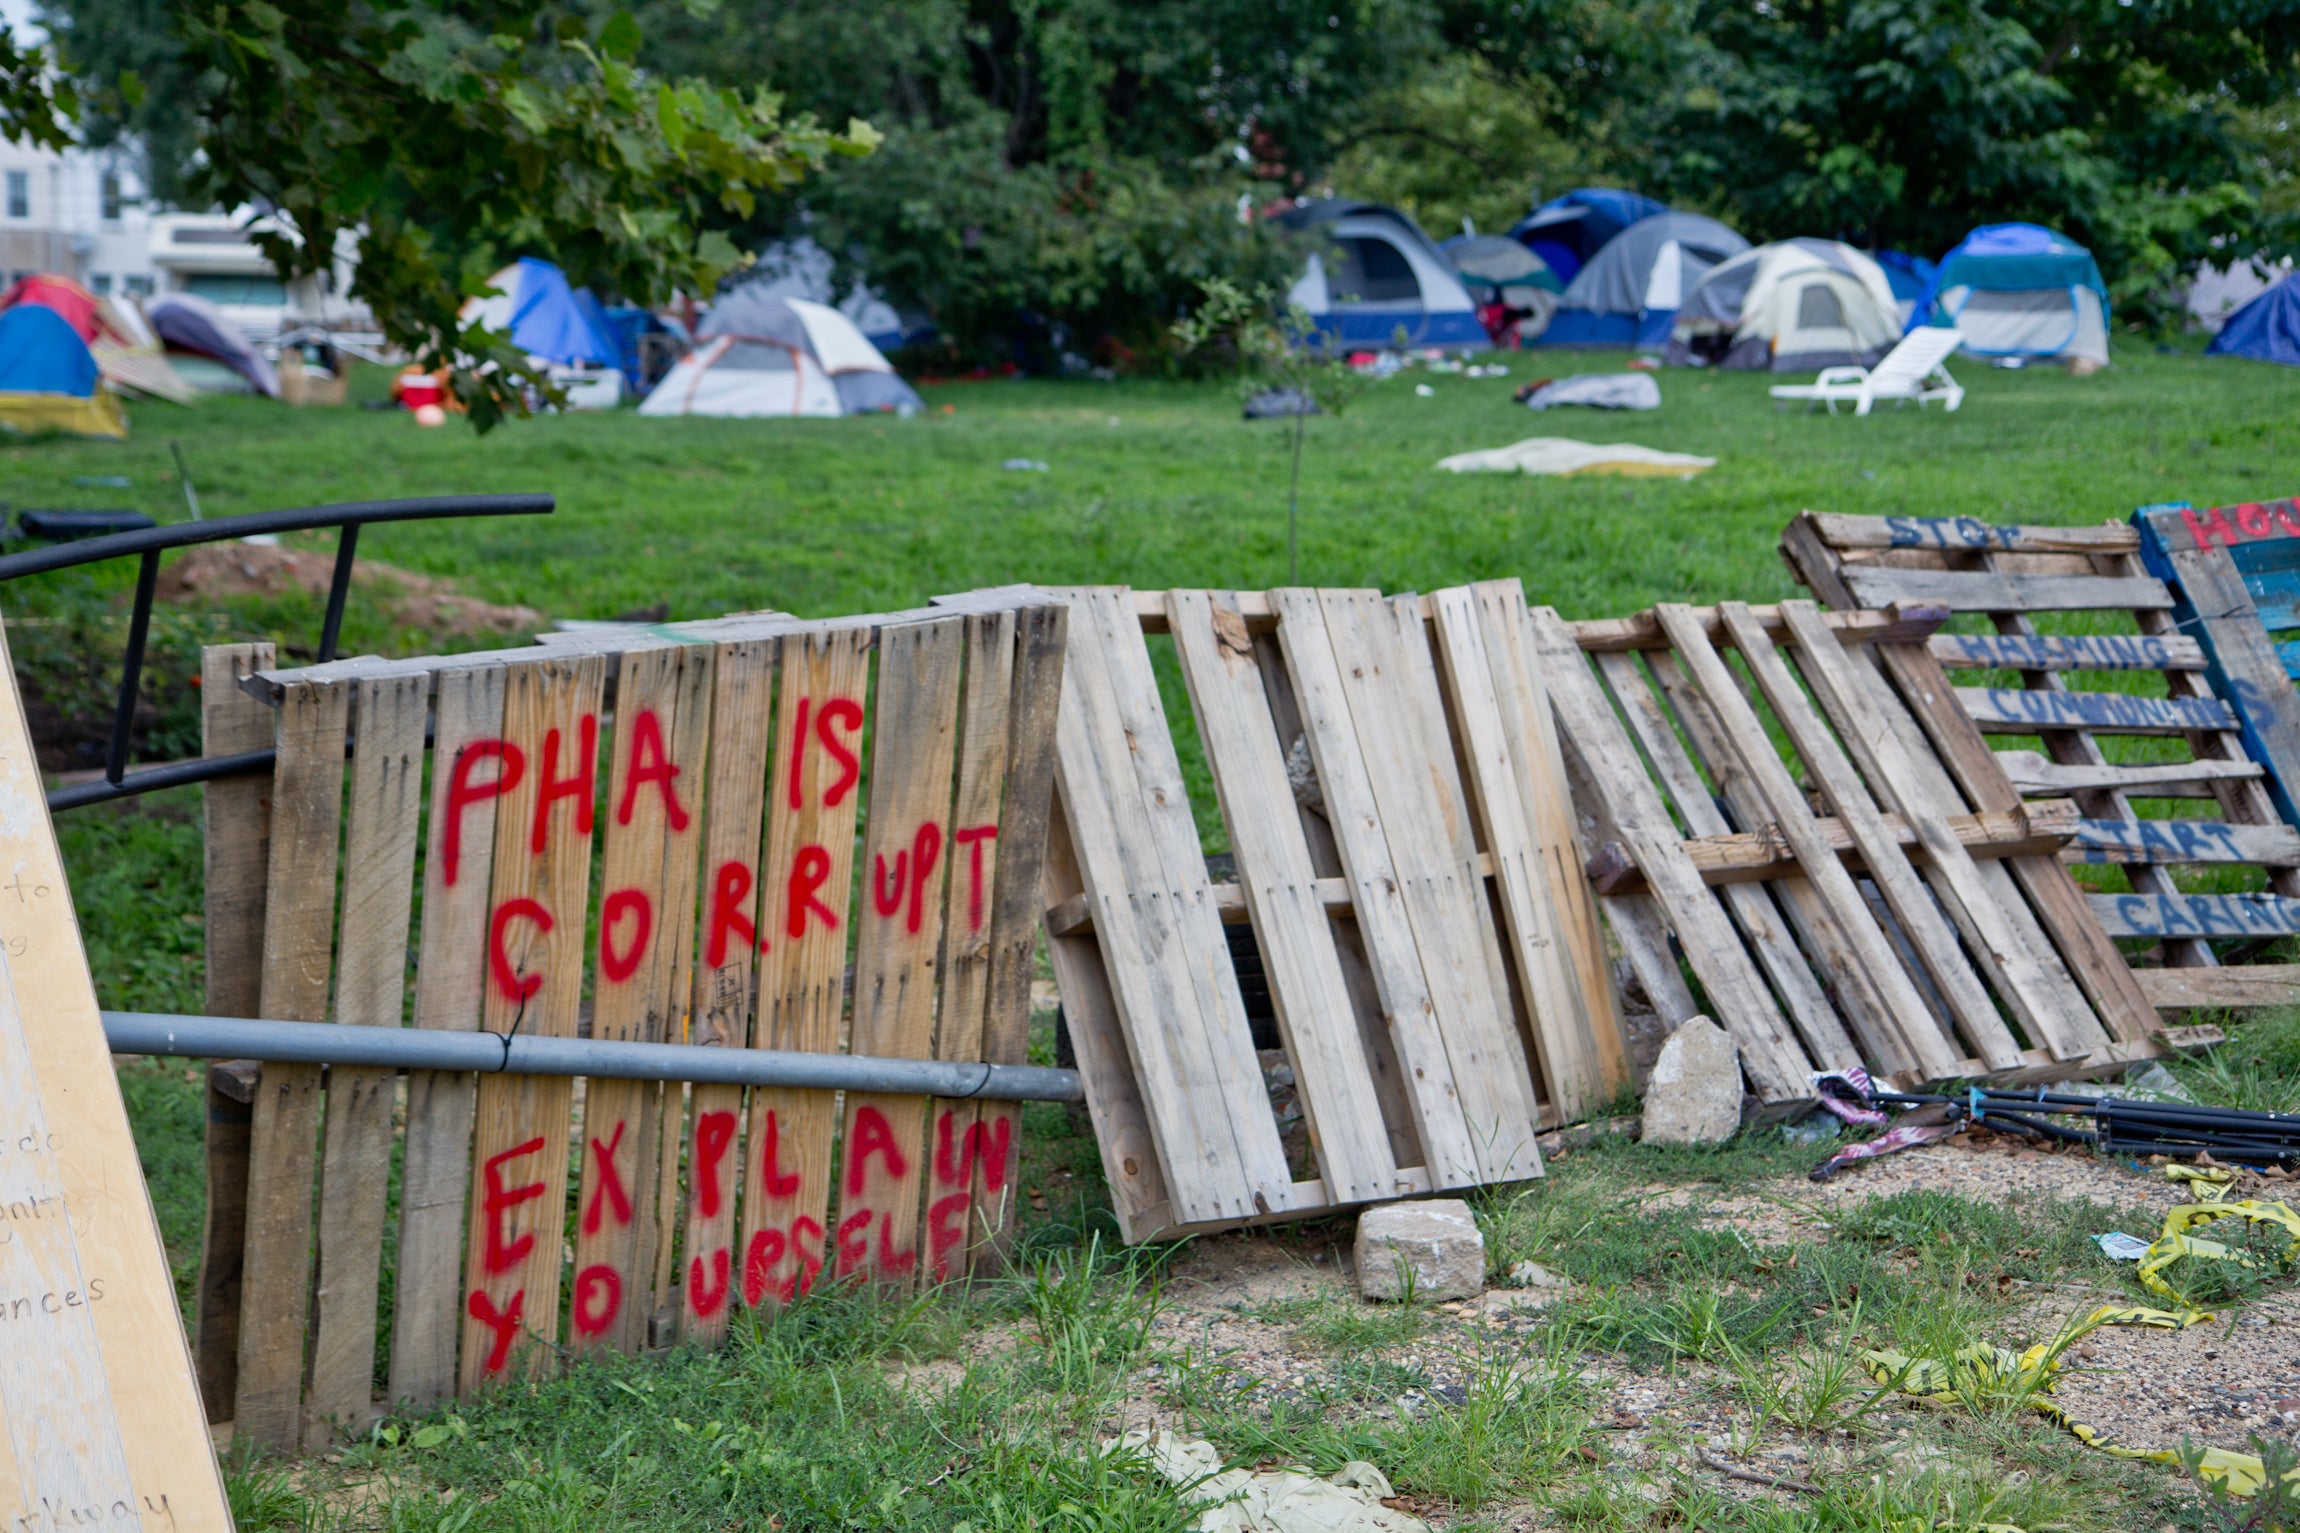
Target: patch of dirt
[(2217, 1383), (214, 571)]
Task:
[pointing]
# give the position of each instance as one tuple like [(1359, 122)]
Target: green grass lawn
[(1149, 484)]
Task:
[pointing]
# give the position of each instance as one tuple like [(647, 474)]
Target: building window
[(136, 287), (108, 193), (100, 283), (19, 194)]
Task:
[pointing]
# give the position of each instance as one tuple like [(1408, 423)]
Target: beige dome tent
[(1793, 306)]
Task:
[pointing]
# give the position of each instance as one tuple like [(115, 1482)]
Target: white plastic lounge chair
[(1911, 370)]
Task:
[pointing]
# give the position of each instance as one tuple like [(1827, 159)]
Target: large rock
[(1426, 1250), (1694, 1093)]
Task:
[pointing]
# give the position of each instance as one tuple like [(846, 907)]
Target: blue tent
[(545, 316), (48, 377), (1566, 231), (2267, 329), (1628, 294), (1378, 275), (2018, 290), (1906, 274)]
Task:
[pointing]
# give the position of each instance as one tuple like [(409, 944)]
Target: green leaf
[(131, 88), (620, 39), (521, 103), (429, 1437)]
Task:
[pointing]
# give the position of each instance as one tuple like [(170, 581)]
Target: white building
[(79, 214)]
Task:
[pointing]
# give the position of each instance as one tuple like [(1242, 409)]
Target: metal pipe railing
[(424, 1048)]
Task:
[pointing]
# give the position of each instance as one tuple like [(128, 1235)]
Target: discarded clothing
[(1563, 455), (1847, 1094), (1926, 1125), (1275, 1501), (1602, 391)]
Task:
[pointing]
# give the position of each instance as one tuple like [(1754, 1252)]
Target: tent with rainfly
[(2267, 329), (126, 349), (1566, 231), (2017, 290), (557, 324), (1794, 306), (48, 377), (760, 355), (1380, 274), (1629, 293)]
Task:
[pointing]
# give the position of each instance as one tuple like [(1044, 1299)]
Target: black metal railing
[(149, 543)]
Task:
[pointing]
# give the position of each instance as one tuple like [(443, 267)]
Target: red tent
[(81, 309)]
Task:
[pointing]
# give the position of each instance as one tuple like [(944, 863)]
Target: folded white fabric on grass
[(1603, 391), (1563, 455)]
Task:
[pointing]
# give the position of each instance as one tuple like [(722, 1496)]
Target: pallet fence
[(2113, 618), (1407, 858), (766, 802)]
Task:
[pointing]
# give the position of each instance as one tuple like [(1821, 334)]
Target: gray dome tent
[(759, 354), (1794, 306), (1629, 292)]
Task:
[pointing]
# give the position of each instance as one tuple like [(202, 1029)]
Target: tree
[(448, 139)]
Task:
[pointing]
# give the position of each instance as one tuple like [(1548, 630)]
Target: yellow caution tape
[(1998, 1371)]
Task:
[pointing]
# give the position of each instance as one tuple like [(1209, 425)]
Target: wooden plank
[(1531, 729), (540, 885), (2017, 959), (1922, 923), (1291, 929), (1408, 992), (2184, 529), (955, 1136), (1905, 1019), (299, 932), (2182, 841), (370, 990), (914, 738), (1025, 828), (469, 771), (734, 823), (2196, 915), (642, 979), (1501, 792), (1910, 625), (1964, 534), (2010, 710), (2031, 772), (1773, 920), (1389, 684), (1760, 855), (813, 798), (1986, 591), (235, 815), (2060, 652), (1776, 1065), (1168, 967), (2258, 984), (100, 1413)]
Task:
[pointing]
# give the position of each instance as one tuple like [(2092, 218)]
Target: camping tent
[(756, 354), (1382, 274), (2266, 329), (1794, 306), (560, 326), (1566, 231), (48, 377), (800, 268), (1628, 294), (188, 322), (1908, 275), (126, 351), (2016, 290), (1514, 287)]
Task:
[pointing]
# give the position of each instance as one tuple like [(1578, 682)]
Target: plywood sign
[(100, 1422)]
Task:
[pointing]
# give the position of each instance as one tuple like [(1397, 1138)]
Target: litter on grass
[(1600, 391), (1024, 465), (1273, 1501), (2117, 1246), (1564, 455)]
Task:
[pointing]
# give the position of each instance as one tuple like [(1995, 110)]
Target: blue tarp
[(40, 353), (2007, 258), (2267, 329), (553, 321), (1566, 231), (1905, 273)]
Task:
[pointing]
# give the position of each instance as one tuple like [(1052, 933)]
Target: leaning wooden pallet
[(1883, 928), (722, 827), (1407, 859), (2113, 619)]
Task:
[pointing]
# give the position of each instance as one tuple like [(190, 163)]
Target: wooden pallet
[(1407, 858), (714, 857), (1916, 922), (2110, 617)]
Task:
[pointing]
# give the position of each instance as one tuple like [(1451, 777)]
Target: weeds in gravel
[(2258, 1067)]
